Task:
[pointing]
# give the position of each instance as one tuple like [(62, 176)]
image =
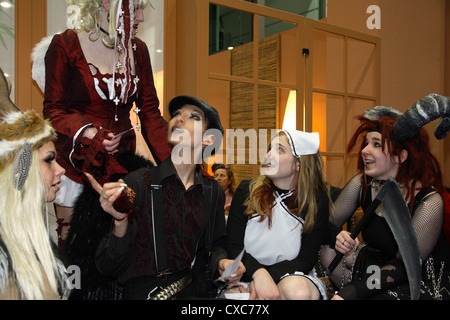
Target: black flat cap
[(210, 113)]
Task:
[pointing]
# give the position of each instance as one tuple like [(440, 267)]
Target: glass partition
[(312, 9), (7, 38), (228, 28), (287, 71)]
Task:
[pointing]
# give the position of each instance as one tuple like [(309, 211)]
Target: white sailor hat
[(301, 142)]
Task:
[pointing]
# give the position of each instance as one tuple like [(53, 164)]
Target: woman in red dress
[(95, 71)]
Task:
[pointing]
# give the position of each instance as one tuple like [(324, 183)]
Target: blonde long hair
[(310, 181), (87, 18), (25, 236)]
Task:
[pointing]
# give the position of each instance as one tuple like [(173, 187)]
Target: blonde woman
[(279, 219), (29, 178), (94, 72)]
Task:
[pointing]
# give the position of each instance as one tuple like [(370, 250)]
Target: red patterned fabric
[(124, 39), (183, 217), (91, 156)]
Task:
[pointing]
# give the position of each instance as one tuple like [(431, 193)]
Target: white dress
[(281, 241)]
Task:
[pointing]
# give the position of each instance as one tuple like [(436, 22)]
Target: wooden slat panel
[(242, 98), (31, 27)]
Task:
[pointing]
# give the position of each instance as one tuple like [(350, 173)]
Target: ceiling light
[(5, 4)]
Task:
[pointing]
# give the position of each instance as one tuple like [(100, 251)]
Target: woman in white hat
[(29, 176), (279, 219)]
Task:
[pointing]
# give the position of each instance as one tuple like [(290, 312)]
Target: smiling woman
[(378, 163), (416, 170), (279, 219)]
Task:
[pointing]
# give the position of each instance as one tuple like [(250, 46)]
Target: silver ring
[(105, 197)]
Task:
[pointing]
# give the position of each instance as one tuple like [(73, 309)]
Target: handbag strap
[(210, 199), (210, 196), (213, 196), (207, 201), (159, 235)]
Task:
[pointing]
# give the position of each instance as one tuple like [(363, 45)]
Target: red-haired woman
[(418, 174)]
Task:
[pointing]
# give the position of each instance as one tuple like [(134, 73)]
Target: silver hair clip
[(21, 166)]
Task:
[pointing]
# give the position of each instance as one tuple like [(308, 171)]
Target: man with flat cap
[(168, 235)]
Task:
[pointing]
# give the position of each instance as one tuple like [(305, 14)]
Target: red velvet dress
[(74, 99)]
